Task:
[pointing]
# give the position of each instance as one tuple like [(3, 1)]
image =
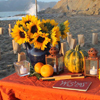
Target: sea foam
[(11, 15)]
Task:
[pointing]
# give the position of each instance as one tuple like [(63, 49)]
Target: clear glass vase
[(22, 68)]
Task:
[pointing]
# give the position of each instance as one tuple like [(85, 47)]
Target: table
[(15, 87)]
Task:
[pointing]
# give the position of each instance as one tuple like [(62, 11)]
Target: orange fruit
[(38, 67), (46, 70)]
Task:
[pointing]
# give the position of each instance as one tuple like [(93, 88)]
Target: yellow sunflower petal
[(40, 40), (33, 28), (27, 19), (55, 35), (52, 22), (19, 35)]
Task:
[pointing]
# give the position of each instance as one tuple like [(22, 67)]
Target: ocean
[(10, 15)]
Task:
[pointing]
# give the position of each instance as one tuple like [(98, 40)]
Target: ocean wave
[(12, 18)]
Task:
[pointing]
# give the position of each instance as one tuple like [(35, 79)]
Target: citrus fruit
[(46, 70), (38, 67)]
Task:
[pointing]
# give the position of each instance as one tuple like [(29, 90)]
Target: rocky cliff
[(88, 7)]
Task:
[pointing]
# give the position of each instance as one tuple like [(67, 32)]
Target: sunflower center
[(34, 29), (40, 39), (20, 25), (22, 35), (27, 22)]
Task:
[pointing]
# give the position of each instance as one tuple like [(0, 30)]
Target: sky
[(48, 0), (3, 0), (41, 0)]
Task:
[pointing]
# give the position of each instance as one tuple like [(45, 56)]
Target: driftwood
[(94, 38), (81, 40), (21, 56), (16, 47)]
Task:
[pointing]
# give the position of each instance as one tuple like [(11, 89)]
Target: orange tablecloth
[(15, 87)]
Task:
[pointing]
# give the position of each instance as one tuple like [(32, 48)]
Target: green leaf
[(62, 27), (33, 73), (49, 26)]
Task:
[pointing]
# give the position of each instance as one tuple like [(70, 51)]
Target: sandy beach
[(79, 24)]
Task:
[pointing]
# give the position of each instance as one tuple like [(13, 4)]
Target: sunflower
[(48, 24), (66, 23), (39, 33), (55, 35), (19, 35), (45, 21), (33, 27), (19, 23), (64, 29), (41, 40), (52, 22), (26, 20), (64, 35), (43, 28)]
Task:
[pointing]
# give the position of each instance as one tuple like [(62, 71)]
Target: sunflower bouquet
[(39, 33)]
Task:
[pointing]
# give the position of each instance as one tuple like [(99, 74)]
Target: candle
[(54, 67), (93, 71), (23, 70)]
